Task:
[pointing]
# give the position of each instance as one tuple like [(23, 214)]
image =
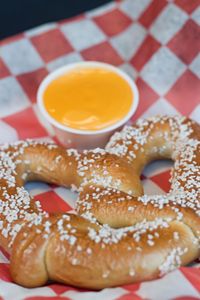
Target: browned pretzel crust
[(119, 236)]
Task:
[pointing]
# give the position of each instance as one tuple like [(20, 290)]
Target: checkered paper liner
[(158, 44)]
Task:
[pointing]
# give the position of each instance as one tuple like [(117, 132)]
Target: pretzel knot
[(119, 235)]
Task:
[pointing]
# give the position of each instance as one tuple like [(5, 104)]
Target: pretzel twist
[(120, 235)]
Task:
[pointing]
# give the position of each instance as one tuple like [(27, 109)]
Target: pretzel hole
[(155, 180), (53, 199), (156, 177)]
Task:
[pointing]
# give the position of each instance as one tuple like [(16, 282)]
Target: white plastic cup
[(84, 139)]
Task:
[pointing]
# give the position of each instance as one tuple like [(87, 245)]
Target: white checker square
[(12, 291), (36, 187), (156, 167), (67, 195), (134, 8), (130, 70), (195, 115), (21, 57), (160, 107), (150, 188), (195, 65), (47, 139), (170, 286), (168, 23), (128, 42), (103, 9), (3, 259), (162, 70), (196, 16), (83, 34), (9, 133), (12, 98), (64, 60)]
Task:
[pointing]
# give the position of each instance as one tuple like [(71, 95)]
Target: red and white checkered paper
[(158, 43)]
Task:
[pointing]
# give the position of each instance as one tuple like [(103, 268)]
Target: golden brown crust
[(119, 235)]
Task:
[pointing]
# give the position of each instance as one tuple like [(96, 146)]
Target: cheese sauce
[(88, 98)]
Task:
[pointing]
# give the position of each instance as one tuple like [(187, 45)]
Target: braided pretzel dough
[(119, 236)]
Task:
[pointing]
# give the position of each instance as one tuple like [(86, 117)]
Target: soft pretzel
[(119, 236)]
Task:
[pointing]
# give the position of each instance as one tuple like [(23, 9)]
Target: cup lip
[(86, 64)]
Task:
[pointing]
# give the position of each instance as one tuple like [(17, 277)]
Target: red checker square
[(129, 296), (52, 203), (184, 95), (30, 82), (186, 297), (144, 53), (147, 97), (162, 180), (188, 5), (102, 52), (26, 124), (60, 289), (5, 273), (113, 22), (132, 287), (186, 43), (51, 44), (4, 72), (152, 12), (193, 276)]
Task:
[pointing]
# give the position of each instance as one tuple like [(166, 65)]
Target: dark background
[(20, 15)]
